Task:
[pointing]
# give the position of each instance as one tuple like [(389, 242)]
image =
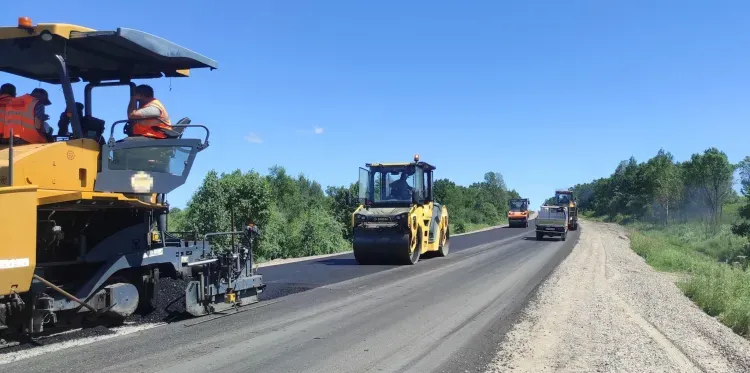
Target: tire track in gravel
[(604, 309)]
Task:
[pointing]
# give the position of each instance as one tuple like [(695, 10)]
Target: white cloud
[(253, 138), (315, 131)]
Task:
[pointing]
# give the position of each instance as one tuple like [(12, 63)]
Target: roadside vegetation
[(685, 218), (298, 217)]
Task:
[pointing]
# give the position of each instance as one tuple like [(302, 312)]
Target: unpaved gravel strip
[(605, 310)]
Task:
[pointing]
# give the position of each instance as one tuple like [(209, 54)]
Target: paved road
[(442, 315), (299, 276)]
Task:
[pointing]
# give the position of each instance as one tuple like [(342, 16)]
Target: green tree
[(744, 168), (176, 220), (712, 175), (340, 208), (665, 181), (316, 232), (206, 209), (742, 228)]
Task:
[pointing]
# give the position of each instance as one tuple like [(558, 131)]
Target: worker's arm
[(39, 117), (147, 112), (132, 105)]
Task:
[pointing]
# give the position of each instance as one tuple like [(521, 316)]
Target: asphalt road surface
[(441, 315)]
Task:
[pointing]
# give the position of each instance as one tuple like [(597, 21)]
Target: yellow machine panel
[(18, 246), (63, 165)]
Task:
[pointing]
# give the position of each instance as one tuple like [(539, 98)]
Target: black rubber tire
[(445, 247), (564, 236), (539, 236)]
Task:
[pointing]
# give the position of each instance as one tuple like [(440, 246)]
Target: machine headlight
[(401, 217), (360, 217)]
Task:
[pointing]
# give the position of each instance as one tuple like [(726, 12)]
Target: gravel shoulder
[(605, 310)]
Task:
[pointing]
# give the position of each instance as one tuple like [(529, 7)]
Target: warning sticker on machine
[(14, 263), (152, 253)]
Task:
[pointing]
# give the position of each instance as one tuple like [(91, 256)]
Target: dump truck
[(83, 219), (552, 221), (397, 219), (565, 198), (518, 212)]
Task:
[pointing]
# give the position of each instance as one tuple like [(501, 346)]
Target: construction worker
[(401, 186), (150, 117), (62, 124), (7, 93), (26, 117)]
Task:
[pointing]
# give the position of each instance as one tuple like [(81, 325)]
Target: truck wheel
[(539, 236), (564, 236)]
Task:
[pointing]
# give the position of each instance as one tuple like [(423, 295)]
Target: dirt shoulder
[(605, 310)]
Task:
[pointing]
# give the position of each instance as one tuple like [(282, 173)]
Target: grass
[(717, 286)]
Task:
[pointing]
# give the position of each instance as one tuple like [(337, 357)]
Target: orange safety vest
[(19, 116), (144, 127), (4, 100)]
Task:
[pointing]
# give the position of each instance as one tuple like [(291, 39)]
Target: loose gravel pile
[(605, 310)]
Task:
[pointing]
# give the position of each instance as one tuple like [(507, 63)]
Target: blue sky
[(549, 94)]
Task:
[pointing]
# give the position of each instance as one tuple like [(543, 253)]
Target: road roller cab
[(565, 198), (518, 212), (397, 219)]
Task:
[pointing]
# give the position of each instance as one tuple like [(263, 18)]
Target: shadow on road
[(338, 262), (533, 238)]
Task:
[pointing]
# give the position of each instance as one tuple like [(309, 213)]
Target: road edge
[(483, 362)]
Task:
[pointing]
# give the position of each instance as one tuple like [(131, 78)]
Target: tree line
[(662, 190), (298, 217)]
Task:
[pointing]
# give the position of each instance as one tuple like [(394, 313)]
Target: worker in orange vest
[(150, 117), (26, 116), (7, 93)]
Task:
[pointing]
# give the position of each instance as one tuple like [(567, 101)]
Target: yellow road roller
[(398, 220)]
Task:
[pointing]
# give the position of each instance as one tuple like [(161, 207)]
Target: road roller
[(397, 220), (83, 220)]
